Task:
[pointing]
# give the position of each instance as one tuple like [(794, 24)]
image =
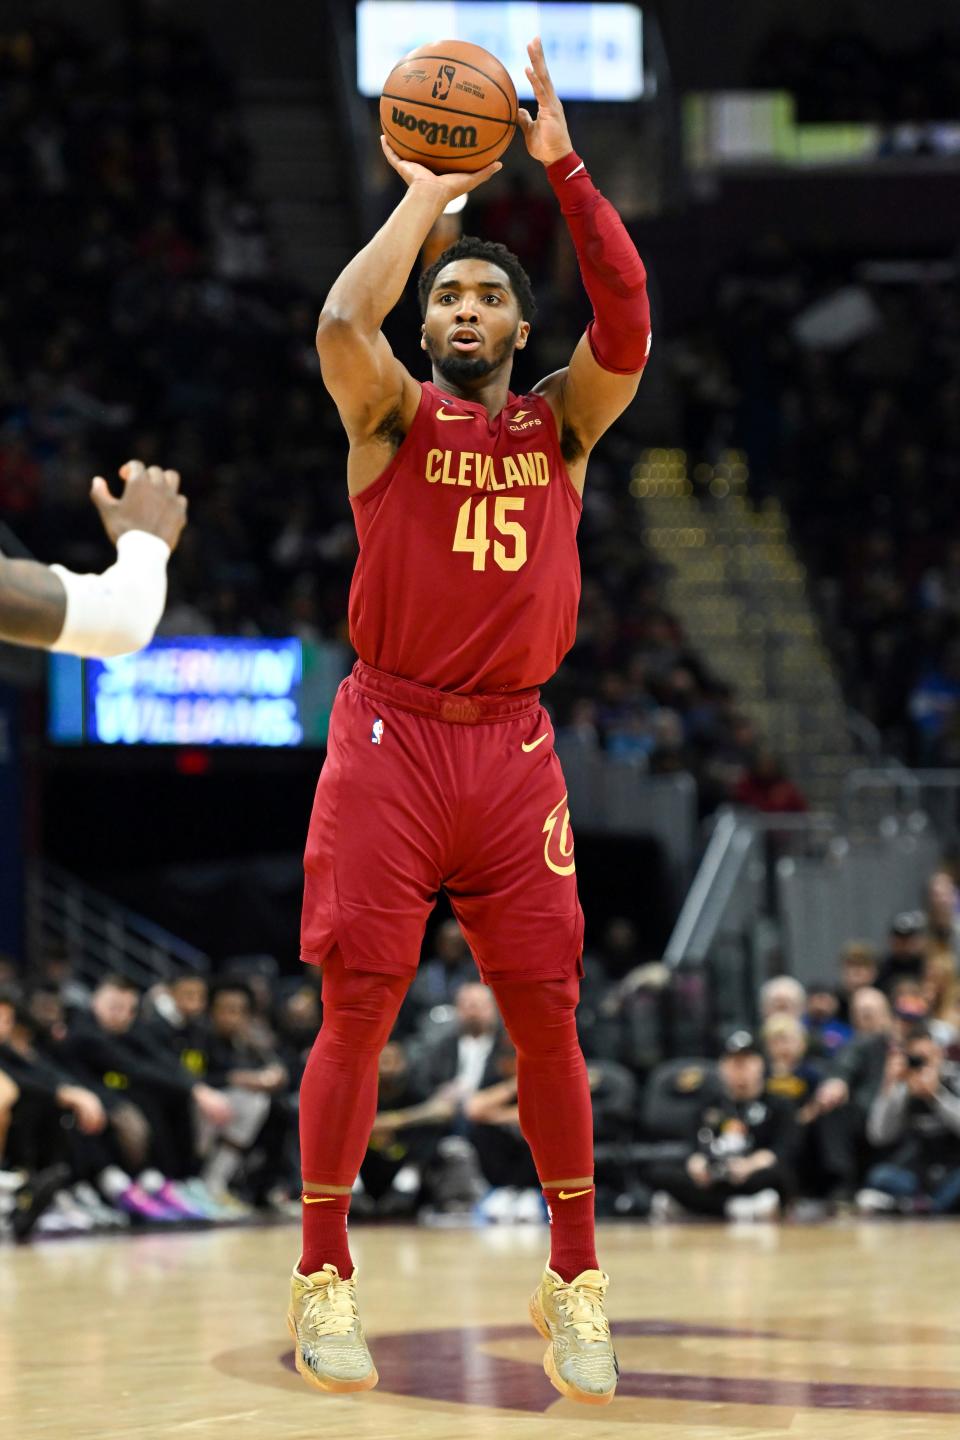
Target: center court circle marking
[(452, 1366)]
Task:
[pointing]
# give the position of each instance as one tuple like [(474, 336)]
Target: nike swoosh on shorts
[(526, 746)]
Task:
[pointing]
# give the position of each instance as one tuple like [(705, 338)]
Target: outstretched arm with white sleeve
[(52, 608)]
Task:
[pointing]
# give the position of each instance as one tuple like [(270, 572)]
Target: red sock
[(325, 1234), (572, 1245)]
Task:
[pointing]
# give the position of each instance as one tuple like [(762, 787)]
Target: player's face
[(472, 326)]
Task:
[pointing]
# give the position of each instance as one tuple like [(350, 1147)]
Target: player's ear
[(423, 337), (523, 332)]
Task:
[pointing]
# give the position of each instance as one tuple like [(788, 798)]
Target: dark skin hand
[(33, 602)]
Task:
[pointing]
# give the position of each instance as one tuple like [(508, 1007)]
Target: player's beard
[(464, 370)]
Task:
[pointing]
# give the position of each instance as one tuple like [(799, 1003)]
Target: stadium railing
[(69, 919)]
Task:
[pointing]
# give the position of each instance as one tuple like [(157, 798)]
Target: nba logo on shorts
[(377, 734)]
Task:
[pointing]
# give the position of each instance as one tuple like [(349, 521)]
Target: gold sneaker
[(331, 1352), (580, 1360)]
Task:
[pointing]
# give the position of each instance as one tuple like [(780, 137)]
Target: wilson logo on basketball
[(558, 848), (457, 137)]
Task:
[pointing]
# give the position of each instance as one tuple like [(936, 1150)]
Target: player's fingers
[(155, 475), (540, 68), (131, 470), (100, 493), (539, 89), (391, 154), (525, 120), (172, 477)]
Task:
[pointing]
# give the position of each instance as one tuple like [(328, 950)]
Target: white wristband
[(118, 611)]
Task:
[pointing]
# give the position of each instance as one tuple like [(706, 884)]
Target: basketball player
[(440, 769), (118, 611)]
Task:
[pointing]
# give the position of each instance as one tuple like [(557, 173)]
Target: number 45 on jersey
[(472, 537)]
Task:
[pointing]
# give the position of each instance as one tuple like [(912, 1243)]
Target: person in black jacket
[(113, 1050), (741, 1162), (256, 1083)]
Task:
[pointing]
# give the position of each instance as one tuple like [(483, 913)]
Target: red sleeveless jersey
[(469, 576)]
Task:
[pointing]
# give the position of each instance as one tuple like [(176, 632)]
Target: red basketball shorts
[(423, 790)]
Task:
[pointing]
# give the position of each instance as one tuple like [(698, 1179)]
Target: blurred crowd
[(179, 1105), (846, 75), (840, 381)]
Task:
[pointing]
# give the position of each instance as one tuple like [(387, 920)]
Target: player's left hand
[(547, 137)]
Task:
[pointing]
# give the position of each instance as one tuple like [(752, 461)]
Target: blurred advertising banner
[(198, 691), (595, 52)]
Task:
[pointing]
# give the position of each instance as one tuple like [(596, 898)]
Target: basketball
[(449, 106)]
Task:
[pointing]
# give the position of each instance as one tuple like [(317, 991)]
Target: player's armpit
[(33, 603), (586, 399), (365, 379)]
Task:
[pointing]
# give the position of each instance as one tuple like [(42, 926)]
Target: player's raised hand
[(151, 501), (447, 187), (547, 137)]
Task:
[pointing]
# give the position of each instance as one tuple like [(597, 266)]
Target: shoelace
[(582, 1308), (331, 1308)]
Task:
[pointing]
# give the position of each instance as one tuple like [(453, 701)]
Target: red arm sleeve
[(613, 273)]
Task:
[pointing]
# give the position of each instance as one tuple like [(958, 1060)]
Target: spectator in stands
[(115, 1052), (908, 945), (783, 995), (790, 1074), (826, 1032), (439, 978), (298, 1018), (917, 1113), (741, 1164), (940, 992), (870, 1012), (255, 1082), (766, 787), (406, 1134), (943, 912), (859, 966), (462, 1057), (35, 1098), (177, 1018)]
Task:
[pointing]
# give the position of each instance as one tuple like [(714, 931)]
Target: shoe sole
[(329, 1387), (570, 1392)]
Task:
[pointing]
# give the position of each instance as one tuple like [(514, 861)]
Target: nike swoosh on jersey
[(441, 415), (317, 1199), (574, 1194), (527, 746)]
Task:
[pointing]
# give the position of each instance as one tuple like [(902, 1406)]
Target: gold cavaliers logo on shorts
[(558, 849)]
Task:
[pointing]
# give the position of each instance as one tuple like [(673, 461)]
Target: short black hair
[(118, 982), (471, 247), (226, 985)]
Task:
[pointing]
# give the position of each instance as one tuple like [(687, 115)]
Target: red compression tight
[(556, 1116), (338, 1101)]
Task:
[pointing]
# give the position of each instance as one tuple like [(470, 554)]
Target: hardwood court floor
[(845, 1332)]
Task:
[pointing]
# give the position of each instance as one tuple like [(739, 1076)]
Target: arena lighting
[(595, 52)]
